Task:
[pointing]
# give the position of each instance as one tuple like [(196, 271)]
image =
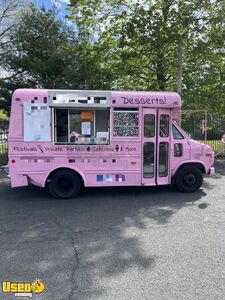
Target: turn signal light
[(208, 154)]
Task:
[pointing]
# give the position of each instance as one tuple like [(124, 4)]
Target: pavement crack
[(75, 262), (15, 249), (43, 240)]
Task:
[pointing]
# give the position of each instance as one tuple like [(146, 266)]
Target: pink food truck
[(66, 139)]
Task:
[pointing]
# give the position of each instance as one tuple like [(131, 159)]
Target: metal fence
[(200, 125), (3, 141), (207, 128)]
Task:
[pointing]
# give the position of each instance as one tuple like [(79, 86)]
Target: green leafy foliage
[(125, 45), (40, 45), (139, 42), (44, 52)]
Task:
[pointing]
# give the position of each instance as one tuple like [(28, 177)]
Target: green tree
[(40, 53), (204, 72), (9, 12), (45, 53), (140, 42), (42, 49)]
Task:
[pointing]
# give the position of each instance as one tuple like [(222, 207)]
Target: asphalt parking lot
[(121, 243)]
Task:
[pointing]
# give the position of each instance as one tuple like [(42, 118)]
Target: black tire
[(189, 179), (64, 184)]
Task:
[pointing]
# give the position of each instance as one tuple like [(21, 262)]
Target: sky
[(60, 4)]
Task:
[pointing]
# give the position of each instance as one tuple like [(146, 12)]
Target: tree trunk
[(179, 75), (179, 68)]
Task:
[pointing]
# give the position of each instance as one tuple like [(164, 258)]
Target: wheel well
[(66, 169), (197, 165)]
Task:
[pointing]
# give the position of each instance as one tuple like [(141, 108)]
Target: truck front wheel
[(189, 179), (64, 184)]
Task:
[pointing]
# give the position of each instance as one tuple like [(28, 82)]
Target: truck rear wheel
[(64, 184), (189, 179)]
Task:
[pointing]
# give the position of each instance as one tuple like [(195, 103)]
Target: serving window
[(76, 126)]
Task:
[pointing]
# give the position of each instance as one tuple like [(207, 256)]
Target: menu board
[(86, 128), (36, 122)]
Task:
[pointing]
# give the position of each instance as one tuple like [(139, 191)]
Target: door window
[(149, 125), (164, 126), (163, 159), (148, 159)]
